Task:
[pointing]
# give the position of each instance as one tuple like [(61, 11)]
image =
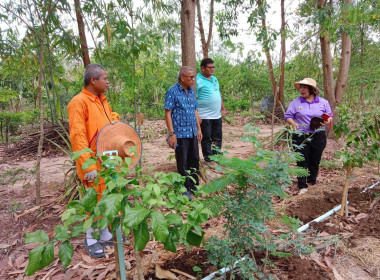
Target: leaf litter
[(13, 258)]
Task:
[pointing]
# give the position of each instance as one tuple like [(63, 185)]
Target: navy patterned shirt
[(183, 106)]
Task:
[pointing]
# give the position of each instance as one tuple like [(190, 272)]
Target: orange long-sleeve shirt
[(88, 114)]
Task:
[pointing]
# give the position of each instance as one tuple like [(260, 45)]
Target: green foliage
[(248, 205), (139, 205), (38, 236), (11, 176), (330, 164), (360, 130)]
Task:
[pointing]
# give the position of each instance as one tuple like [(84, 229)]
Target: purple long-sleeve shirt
[(301, 111)]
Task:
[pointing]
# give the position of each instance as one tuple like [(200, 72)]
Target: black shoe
[(92, 249)]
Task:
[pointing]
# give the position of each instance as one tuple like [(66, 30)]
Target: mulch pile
[(28, 145)]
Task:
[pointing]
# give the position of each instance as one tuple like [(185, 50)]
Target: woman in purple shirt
[(299, 114)]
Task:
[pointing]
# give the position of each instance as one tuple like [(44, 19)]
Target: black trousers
[(187, 156), (212, 134), (312, 152)]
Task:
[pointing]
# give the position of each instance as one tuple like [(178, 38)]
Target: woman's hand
[(295, 125), (328, 121), (292, 123)]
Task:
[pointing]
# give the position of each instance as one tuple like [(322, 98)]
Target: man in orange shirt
[(89, 112)]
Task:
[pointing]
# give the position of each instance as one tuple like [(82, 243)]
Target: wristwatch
[(170, 133)]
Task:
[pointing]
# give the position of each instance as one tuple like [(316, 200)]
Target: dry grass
[(348, 268), (368, 253)]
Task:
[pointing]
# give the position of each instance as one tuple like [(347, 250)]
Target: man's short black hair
[(92, 70), (206, 61)]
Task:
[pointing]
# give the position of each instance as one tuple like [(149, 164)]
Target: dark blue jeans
[(187, 156), (212, 134), (312, 153)]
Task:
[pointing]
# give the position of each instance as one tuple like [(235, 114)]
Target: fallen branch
[(183, 273)]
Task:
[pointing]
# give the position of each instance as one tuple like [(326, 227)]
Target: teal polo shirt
[(209, 98)]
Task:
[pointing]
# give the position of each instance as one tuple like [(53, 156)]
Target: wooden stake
[(345, 191), (117, 266)]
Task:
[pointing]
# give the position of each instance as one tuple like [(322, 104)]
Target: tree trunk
[(205, 44), (361, 63), (187, 33), (327, 67), (345, 190), (344, 65), (283, 53), (82, 34), (7, 123), (40, 143), (268, 56)]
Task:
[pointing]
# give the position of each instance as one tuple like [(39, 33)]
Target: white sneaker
[(304, 190)]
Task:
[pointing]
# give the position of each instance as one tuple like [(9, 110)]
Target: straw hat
[(120, 136), (309, 82)]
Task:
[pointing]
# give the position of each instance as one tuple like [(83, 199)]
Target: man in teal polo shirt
[(210, 109)]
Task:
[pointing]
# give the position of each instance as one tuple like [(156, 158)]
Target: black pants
[(187, 156), (312, 152), (212, 134)]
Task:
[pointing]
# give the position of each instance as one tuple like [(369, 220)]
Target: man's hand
[(224, 112), (200, 136), (172, 141), (90, 176)]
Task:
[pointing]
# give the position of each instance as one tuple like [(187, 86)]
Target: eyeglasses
[(191, 77)]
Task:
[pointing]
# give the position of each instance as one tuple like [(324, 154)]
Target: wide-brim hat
[(309, 82), (122, 137)]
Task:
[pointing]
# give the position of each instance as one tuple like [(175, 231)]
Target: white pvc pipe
[(371, 187), (320, 218), (222, 270), (300, 229)]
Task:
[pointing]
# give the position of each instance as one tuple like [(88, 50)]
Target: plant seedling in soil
[(362, 141), (247, 206), (147, 208)]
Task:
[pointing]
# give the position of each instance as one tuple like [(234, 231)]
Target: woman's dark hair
[(312, 90)]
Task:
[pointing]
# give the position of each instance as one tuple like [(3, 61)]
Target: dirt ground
[(354, 255)]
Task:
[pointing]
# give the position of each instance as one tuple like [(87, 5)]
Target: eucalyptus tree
[(334, 95), (82, 33), (364, 73), (26, 12), (336, 23), (187, 33), (205, 43), (257, 10)]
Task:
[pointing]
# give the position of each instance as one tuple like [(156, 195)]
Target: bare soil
[(350, 258)]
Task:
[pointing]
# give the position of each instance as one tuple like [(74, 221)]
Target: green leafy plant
[(330, 164), (16, 206), (146, 207), (247, 206), (12, 175), (360, 131), (198, 270)]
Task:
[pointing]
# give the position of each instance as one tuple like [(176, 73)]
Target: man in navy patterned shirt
[(182, 120)]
